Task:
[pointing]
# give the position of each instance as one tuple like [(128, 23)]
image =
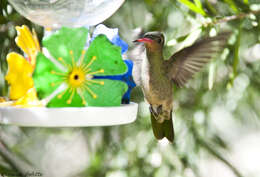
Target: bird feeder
[(72, 78)]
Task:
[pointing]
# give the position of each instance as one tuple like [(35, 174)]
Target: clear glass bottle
[(72, 13)]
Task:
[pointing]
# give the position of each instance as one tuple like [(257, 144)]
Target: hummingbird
[(158, 76)]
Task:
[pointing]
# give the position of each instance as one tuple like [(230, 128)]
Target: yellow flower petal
[(28, 42), (28, 100), (2, 99), (19, 75)]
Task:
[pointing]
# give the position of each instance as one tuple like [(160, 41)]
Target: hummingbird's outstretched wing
[(183, 64)]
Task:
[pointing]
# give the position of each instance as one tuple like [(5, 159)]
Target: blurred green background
[(216, 117)]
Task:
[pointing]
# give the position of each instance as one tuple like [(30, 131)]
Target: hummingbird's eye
[(159, 40)]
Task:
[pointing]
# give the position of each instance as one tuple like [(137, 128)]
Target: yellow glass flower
[(19, 75), (28, 42), (20, 69), (29, 100)]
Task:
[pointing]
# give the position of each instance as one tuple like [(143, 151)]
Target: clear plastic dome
[(71, 13)]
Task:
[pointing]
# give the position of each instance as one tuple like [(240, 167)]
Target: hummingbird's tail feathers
[(168, 129), (157, 128), (161, 130)]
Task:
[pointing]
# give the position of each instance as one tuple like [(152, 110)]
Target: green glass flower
[(65, 77)]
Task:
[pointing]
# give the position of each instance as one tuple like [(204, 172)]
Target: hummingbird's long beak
[(144, 40)]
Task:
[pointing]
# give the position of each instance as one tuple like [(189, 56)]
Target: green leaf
[(232, 5), (62, 101), (108, 57), (198, 3), (65, 40), (182, 38), (193, 7), (43, 78), (236, 53), (210, 7), (109, 94)]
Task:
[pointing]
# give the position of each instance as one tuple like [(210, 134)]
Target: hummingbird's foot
[(159, 109), (153, 112), (156, 110), (157, 113)]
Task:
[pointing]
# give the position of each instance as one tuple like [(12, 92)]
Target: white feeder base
[(69, 117)]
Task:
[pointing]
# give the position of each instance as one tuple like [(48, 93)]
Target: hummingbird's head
[(152, 40)]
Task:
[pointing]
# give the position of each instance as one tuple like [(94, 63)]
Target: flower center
[(79, 77), (76, 77)]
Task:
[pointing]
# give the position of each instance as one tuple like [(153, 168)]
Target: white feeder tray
[(68, 117)]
